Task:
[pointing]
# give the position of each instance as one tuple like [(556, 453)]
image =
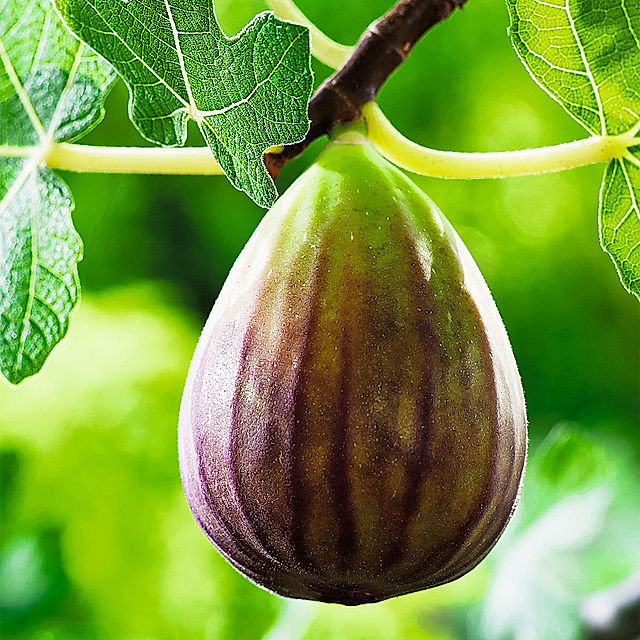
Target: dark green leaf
[(247, 93)]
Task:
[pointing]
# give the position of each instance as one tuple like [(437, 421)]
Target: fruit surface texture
[(353, 424)]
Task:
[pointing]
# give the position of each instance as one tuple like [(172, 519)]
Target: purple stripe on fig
[(238, 448), (338, 477), (298, 499)]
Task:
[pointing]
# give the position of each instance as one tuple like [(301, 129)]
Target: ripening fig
[(353, 424)]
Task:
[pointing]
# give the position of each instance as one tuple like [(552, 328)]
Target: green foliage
[(51, 88), (586, 55), (39, 283), (247, 93), (579, 504), (98, 538), (98, 542), (89, 446)]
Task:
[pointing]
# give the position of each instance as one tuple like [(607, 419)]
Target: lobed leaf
[(247, 93), (586, 55), (52, 88)]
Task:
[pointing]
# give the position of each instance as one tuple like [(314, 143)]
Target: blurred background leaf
[(97, 539), (577, 529)]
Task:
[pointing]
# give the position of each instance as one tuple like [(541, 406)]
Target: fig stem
[(432, 162), (381, 49)]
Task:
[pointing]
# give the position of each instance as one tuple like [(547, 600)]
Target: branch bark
[(382, 48)]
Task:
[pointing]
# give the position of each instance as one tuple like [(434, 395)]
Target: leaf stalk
[(502, 164), (389, 142), (325, 49), (168, 161)]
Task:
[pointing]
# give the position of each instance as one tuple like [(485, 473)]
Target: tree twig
[(382, 48)]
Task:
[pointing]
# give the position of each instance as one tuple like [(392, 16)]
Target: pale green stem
[(391, 144), (503, 164), (324, 48), (84, 158)]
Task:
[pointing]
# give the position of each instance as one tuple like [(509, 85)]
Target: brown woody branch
[(382, 48)]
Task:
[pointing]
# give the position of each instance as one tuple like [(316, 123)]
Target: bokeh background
[(97, 541)]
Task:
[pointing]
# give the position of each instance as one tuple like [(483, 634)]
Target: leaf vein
[(583, 55), (20, 90), (32, 278), (267, 79), (628, 19), (136, 57)]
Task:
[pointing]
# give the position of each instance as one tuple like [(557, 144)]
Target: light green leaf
[(51, 85), (586, 55), (620, 217), (246, 93), (39, 287), (51, 89)]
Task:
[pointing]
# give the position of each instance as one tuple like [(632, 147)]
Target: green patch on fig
[(353, 426)]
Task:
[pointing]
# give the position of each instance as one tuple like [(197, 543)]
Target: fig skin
[(353, 425)]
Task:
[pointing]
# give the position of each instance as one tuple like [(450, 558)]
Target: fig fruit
[(353, 424)]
